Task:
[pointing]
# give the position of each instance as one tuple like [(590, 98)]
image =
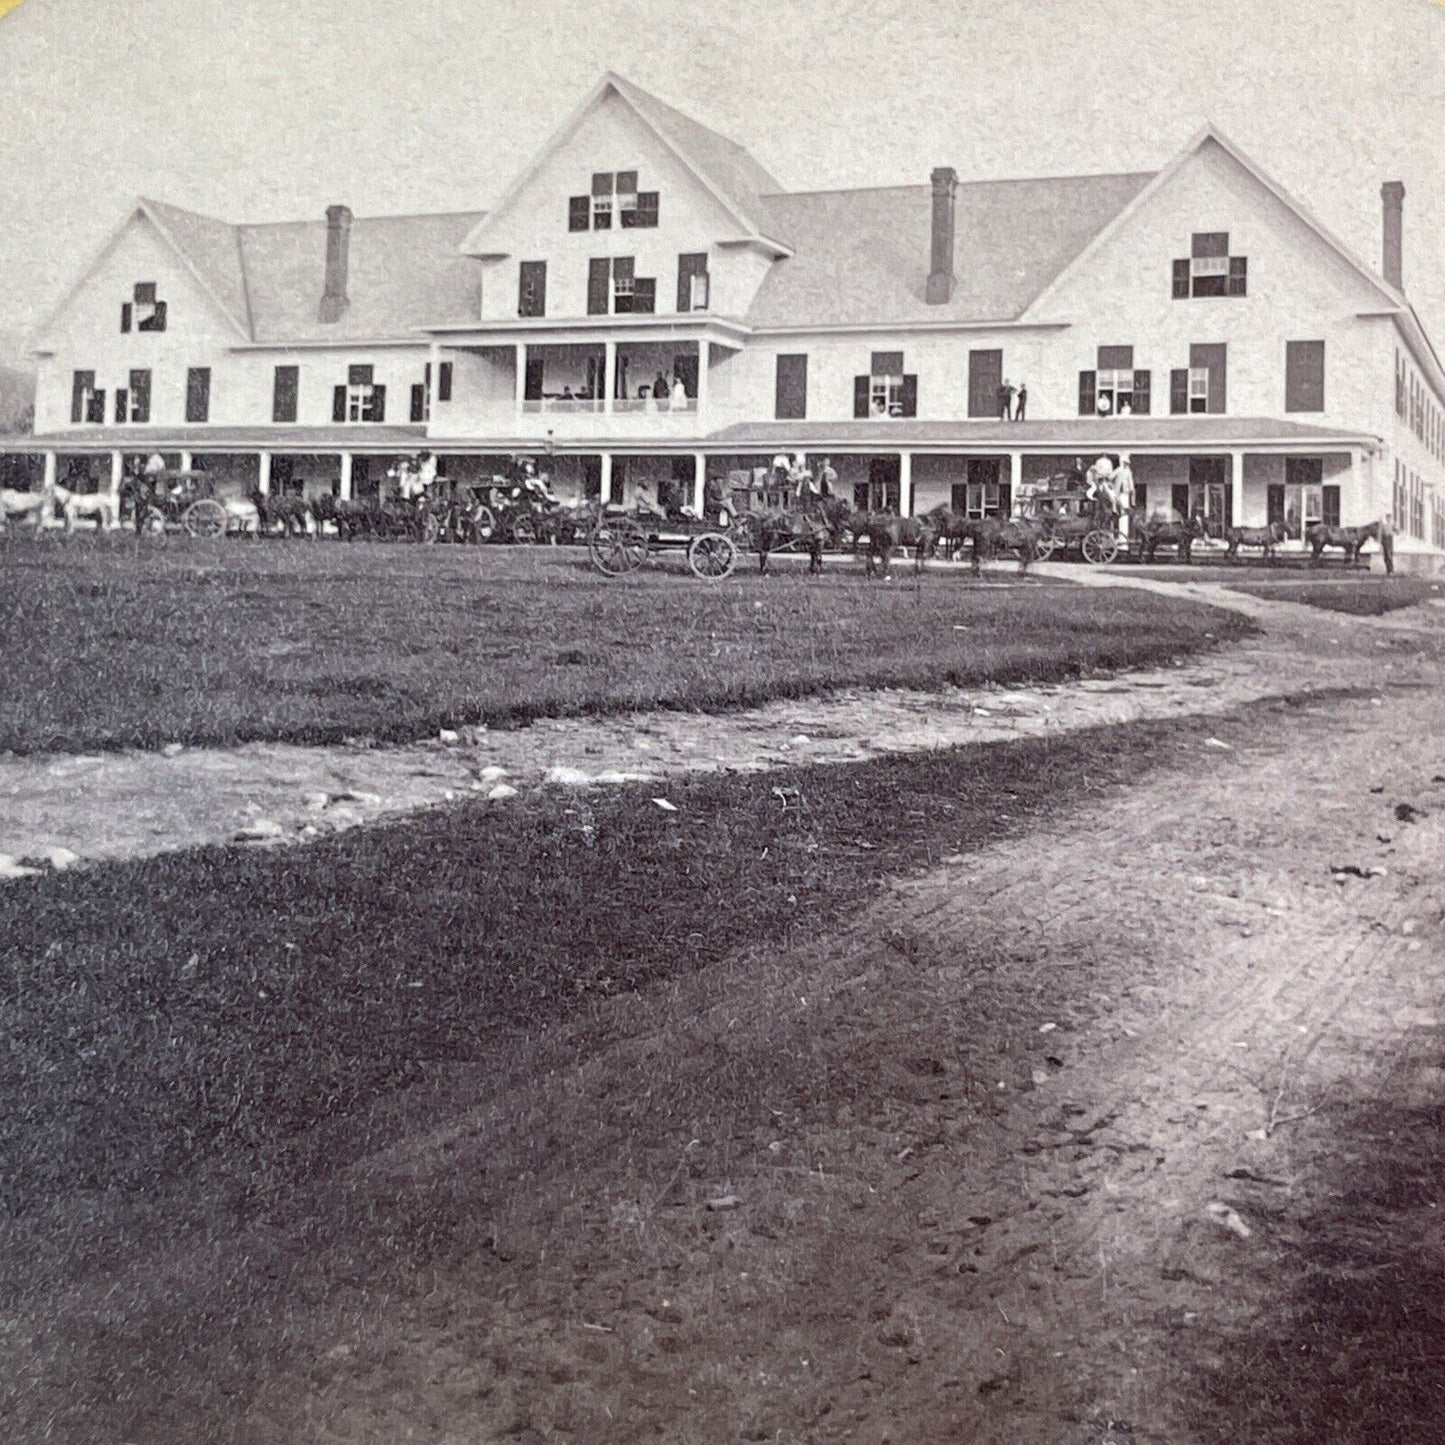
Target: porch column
[(117, 473), (521, 374), (344, 490), (1236, 488), (609, 381), (51, 465), (605, 487), (704, 355), (699, 482), (263, 473), (905, 484), (186, 460), (1015, 478)]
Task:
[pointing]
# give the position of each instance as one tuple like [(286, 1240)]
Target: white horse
[(102, 506), (38, 506)]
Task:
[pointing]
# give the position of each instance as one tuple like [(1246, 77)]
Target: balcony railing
[(563, 404), (572, 405), (654, 404)]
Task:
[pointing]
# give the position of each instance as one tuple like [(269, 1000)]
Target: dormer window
[(144, 311), (1209, 269), (613, 193)]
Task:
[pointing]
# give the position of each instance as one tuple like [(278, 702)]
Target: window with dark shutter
[(860, 396), (534, 379), (1238, 275), (198, 393), (125, 315), (644, 295), (338, 404), (647, 209), (418, 401), (1330, 504), (908, 396), (1181, 279), (985, 376), (1179, 391), (790, 401), (156, 321), (95, 407), (692, 281), (579, 213), (599, 285), (1212, 359), (1304, 376), (82, 383), (122, 406), (602, 201), (444, 381), (1087, 401), (284, 391), (532, 289), (1141, 393), (140, 396)]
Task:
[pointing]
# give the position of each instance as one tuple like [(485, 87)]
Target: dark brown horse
[(992, 535), (292, 513), (1267, 538), (1351, 540), (883, 533), (1152, 532), (808, 529)]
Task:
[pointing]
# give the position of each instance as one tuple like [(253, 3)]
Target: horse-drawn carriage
[(172, 499), (1071, 518), (621, 541)]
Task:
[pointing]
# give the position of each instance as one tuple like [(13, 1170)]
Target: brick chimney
[(940, 274), (1392, 193), (338, 261)]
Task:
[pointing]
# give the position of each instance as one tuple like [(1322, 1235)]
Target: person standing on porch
[(1021, 404), (660, 389), (1005, 399)]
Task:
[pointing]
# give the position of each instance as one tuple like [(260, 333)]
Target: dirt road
[(1126, 1129)]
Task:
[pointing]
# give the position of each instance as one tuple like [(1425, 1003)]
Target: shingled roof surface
[(862, 256), (213, 249)]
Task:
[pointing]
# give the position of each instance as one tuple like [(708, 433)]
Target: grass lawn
[(110, 642), (157, 1011), (1363, 596)]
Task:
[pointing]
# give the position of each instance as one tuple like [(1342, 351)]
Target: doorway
[(880, 493)]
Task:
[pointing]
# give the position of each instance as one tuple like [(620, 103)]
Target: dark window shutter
[(1181, 280), (909, 396), (156, 321), (791, 396), (284, 392), (122, 406), (1141, 393), (418, 401), (534, 379), (599, 283), (1116, 358), (125, 315), (81, 382), (860, 396), (644, 295), (1274, 502), (97, 406), (532, 289), (444, 381), (1179, 391), (647, 208), (1304, 376), (1088, 403), (1330, 496), (198, 393), (140, 395), (338, 404), (1238, 275), (626, 183), (378, 403), (579, 213), (985, 376)]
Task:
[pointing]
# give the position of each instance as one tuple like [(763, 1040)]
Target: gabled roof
[(722, 166), (210, 248), (862, 256), (1208, 134)]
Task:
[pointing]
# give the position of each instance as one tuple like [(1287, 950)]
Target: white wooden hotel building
[(1196, 318)]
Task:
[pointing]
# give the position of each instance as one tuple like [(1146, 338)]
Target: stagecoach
[(1070, 520), (622, 541), (174, 500)]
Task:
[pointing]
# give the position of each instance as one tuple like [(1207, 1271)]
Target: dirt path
[(1033, 1151), (136, 803)]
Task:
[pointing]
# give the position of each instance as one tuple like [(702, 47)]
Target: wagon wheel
[(204, 519), (1100, 547), (1048, 544), (523, 529), (617, 546), (712, 556), (482, 524)]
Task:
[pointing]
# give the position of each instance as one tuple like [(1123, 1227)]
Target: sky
[(272, 109)]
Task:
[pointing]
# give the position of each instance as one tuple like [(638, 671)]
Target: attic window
[(143, 311), (1209, 269), (602, 201), (613, 193)]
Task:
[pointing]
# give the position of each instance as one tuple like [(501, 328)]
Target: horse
[(1153, 532), (822, 522), (885, 533), (293, 513), (103, 506), (1267, 538), (1352, 539), (950, 530), (39, 506), (991, 535)]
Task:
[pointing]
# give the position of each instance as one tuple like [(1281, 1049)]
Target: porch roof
[(366, 438), (1082, 434)]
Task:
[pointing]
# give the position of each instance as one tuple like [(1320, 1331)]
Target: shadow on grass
[(1359, 596), (1355, 1352)]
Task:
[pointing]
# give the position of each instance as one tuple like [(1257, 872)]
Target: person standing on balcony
[(1005, 399), (679, 394), (659, 389), (1022, 402)]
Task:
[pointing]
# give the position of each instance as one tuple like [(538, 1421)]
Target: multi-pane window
[(284, 392), (421, 391), (614, 193), (87, 404), (532, 289), (1114, 388), (144, 310), (361, 399), (613, 286), (1304, 376), (1209, 269), (692, 281), (886, 391), (198, 393), (133, 403), (790, 401), (1199, 387)]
